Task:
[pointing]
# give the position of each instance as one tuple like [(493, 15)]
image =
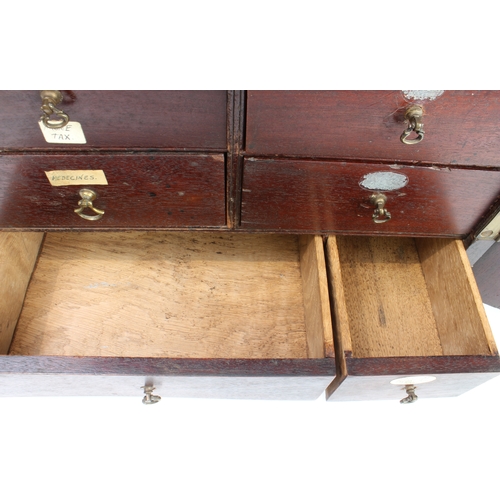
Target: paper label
[(76, 177), (71, 133)]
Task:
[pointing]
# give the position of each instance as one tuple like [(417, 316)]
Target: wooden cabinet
[(267, 292)]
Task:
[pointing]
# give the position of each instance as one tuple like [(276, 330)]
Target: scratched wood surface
[(165, 295), (461, 126), (18, 254), (166, 119), (300, 195), (143, 191)]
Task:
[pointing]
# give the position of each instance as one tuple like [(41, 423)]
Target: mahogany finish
[(298, 195), (235, 132), (89, 365), (168, 119), (368, 125), (143, 191)]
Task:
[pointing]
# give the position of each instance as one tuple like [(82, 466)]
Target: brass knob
[(413, 116), (49, 100), (150, 398), (412, 397), (380, 214), (88, 196)]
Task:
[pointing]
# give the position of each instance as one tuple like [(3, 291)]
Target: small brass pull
[(413, 116), (49, 100), (412, 397), (380, 215), (150, 398), (88, 196)]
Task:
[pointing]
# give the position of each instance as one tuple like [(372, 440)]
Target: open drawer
[(407, 314), (193, 314)]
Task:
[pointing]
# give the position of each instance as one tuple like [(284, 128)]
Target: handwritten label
[(76, 177), (71, 133)]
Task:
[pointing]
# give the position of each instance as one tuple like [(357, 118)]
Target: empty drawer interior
[(165, 294), (406, 297)]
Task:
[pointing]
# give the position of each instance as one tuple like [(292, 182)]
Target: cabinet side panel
[(18, 254)]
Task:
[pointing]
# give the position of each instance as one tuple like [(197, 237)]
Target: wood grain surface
[(458, 310), (143, 191), (390, 313), (461, 126), (191, 120), (318, 316), (299, 195), (18, 254), (165, 295)]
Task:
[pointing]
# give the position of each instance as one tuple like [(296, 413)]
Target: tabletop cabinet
[(300, 266)]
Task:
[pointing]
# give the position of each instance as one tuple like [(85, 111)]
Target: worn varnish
[(143, 191), (168, 119), (302, 196), (461, 126), (168, 295)]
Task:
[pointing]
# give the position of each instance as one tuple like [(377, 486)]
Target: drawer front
[(325, 196), (142, 191), (270, 379), (461, 127), (191, 120)]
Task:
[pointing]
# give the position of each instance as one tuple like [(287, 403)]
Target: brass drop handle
[(150, 398), (412, 397), (88, 196), (380, 215), (413, 116), (50, 98)]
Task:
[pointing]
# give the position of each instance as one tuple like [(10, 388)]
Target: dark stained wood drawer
[(461, 127), (178, 120), (407, 313), (299, 195), (196, 314), (142, 191)]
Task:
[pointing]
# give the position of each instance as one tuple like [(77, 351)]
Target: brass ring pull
[(413, 116), (150, 398), (412, 397), (88, 196), (380, 215), (49, 100)]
